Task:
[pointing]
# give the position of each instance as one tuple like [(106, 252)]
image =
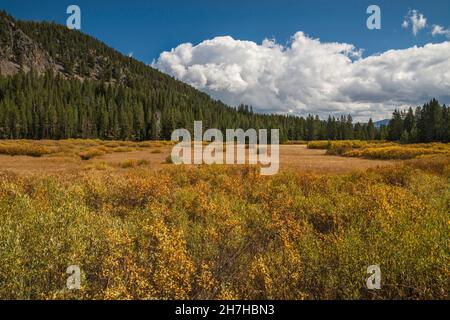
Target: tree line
[(99, 93), (52, 107), (428, 123)]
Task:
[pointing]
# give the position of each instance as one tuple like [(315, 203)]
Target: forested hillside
[(57, 83)]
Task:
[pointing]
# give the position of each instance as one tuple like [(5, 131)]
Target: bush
[(381, 149), (98, 166), (225, 232), (133, 163), (26, 150), (91, 153), (319, 144), (394, 152)]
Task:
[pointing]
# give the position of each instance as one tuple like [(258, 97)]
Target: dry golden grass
[(73, 155), (301, 142), (133, 163)]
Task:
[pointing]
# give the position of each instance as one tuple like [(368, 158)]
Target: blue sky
[(308, 67), (147, 28)]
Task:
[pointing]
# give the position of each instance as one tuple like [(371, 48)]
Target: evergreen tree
[(371, 130), (395, 127)]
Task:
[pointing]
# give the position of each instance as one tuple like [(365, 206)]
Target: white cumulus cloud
[(417, 21), (405, 24), (310, 76), (440, 31)]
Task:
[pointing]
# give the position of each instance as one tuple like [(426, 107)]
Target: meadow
[(223, 232), (84, 149), (382, 150)]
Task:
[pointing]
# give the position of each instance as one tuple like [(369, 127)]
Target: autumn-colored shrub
[(91, 153), (381, 149), (25, 150), (101, 165), (336, 147), (341, 147), (133, 163), (325, 144), (75, 148), (396, 152), (226, 232)]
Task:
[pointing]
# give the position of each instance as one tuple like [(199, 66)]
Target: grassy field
[(67, 156), (221, 232)]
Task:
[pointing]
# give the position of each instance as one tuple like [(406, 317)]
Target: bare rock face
[(19, 52), (47, 46)]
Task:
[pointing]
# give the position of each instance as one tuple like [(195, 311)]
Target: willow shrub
[(396, 152), (217, 232), (319, 144), (83, 149), (382, 150)]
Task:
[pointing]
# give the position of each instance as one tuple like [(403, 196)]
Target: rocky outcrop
[(20, 52)]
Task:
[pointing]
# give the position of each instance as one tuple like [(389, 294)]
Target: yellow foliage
[(396, 152), (381, 149), (319, 144), (226, 232), (85, 149)]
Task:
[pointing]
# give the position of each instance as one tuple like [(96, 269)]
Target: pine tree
[(371, 130), (395, 127)]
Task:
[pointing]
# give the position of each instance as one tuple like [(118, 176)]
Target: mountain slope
[(118, 96), (47, 46), (20, 52), (380, 123), (57, 83)]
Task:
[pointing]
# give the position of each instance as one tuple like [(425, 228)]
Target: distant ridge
[(380, 123)]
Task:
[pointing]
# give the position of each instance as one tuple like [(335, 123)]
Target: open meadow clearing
[(219, 232), (74, 155)]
